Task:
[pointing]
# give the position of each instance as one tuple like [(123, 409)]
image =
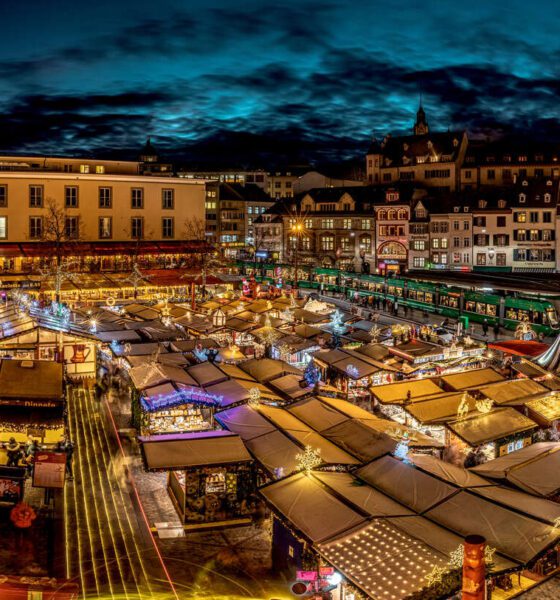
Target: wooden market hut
[(211, 477)]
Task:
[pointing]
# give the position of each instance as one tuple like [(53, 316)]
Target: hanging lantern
[(219, 318)]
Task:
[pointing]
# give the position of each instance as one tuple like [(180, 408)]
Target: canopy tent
[(483, 428), (519, 347), (535, 468), (180, 451), (550, 359)]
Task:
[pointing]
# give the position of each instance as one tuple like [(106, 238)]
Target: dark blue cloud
[(255, 80)]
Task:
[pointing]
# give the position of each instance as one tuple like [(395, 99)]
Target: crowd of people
[(23, 455)]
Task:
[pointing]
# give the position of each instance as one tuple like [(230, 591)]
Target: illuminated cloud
[(270, 81)]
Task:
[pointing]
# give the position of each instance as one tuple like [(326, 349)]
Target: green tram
[(509, 308)]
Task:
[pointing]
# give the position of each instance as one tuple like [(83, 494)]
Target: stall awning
[(519, 347), (185, 450)]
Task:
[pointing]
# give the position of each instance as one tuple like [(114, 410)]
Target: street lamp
[(297, 229)]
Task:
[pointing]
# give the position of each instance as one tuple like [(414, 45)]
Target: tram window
[(491, 310), (536, 317), (428, 297), (470, 306), (551, 315), (481, 308), (511, 314)]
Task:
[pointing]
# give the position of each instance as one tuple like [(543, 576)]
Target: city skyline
[(325, 77)]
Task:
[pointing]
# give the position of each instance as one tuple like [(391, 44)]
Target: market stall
[(211, 478), (31, 401)]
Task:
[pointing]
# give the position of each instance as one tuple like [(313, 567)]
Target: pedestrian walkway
[(106, 551)]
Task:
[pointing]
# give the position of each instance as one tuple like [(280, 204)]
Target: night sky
[(270, 81)]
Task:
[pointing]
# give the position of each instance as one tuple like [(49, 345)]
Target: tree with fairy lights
[(59, 230), (312, 375)]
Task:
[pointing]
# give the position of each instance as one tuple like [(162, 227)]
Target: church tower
[(421, 125)]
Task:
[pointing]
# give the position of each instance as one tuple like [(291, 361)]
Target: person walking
[(68, 448), (485, 327), (30, 456), (496, 330)]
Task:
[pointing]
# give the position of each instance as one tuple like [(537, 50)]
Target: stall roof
[(191, 345), (545, 407), (519, 347), (185, 450), (231, 391), (307, 331), (535, 468), (365, 497), (306, 436), (150, 374), (206, 373), (276, 452), (317, 414), (411, 487), (355, 368), (31, 379), (402, 559), (329, 357), (440, 408), (448, 472), (517, 536), (472, 378), (396, 393), (301, 499), (121, 335), (483, 428), (235, 372), (245, 421), (289, 385), (265, 369), (507, 392)]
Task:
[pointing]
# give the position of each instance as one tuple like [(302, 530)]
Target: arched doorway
[(391, 256)]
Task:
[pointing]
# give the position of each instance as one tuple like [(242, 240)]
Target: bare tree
[(61, 230), (205, 259), (136, 277)]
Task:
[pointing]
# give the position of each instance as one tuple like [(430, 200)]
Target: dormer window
[(455, 142), (482, 203), (539, 158), (465, 209), (523, 158), (522, 198), (456, 209), (524, 183), (420, 213), (501, 203), (547, 198)]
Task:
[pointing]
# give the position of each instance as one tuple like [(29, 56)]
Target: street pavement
[(106, 551)]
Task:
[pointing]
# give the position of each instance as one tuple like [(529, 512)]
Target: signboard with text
[(49, 470)]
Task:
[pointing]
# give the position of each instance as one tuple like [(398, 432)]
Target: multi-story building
[(507, 161), (427, 158), (230, 211), (99, 213), (392, 215), (257, 177)]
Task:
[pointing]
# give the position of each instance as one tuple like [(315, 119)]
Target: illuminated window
[(99, 169), (84, 168), (105, 228), (327, 242), (347, 224), (3, 195), (366, 223), (3, 228), (308, 223)]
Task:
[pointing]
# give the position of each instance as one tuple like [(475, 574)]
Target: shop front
[(392, 258)]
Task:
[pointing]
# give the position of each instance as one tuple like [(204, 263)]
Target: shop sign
[(24, 284), (307, 575), (49, 469), (29, 403)]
